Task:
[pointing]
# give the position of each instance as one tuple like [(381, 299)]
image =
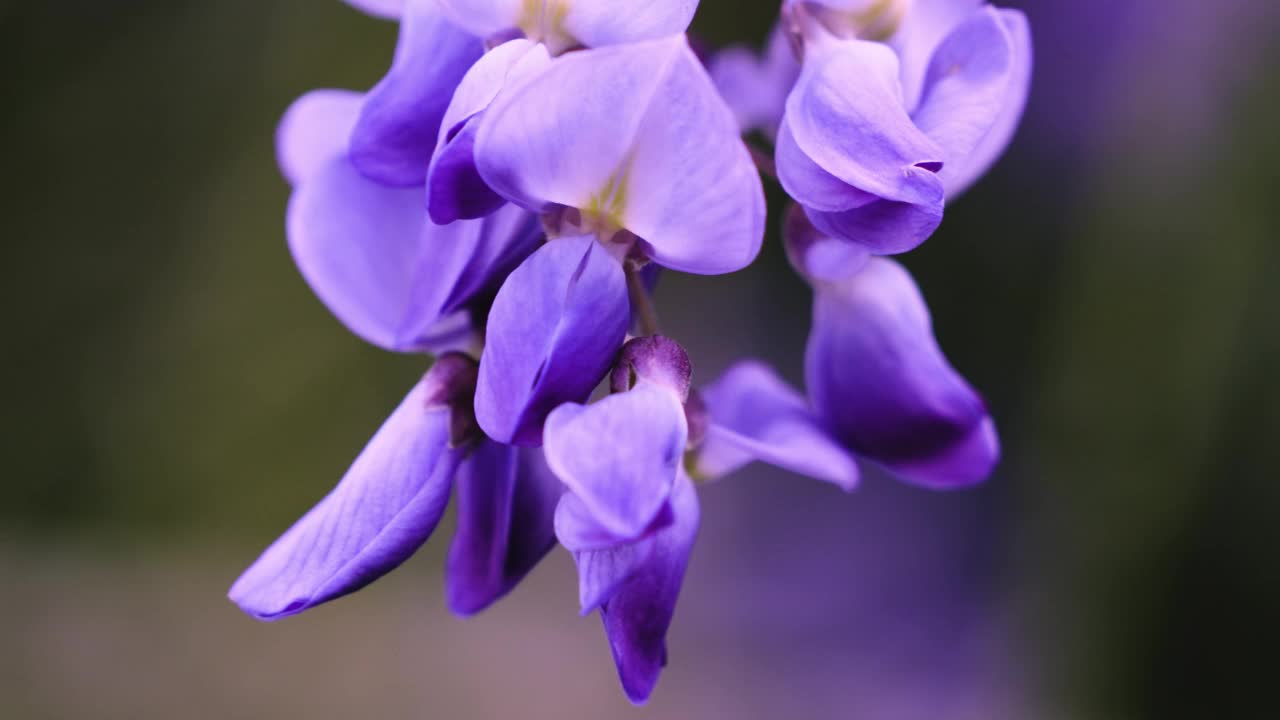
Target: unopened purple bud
[(657, 359), (451, 383)]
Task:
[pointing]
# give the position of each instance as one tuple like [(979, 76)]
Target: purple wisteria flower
[(502, 201), (897, 107)]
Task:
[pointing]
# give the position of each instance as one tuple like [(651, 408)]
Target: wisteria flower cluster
[(502, 202)]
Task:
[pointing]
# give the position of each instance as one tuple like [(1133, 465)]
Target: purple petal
[(358, 244), (484, 18), (315, 129), (619, 456), (384, 9), (884, 388), (597, 23), (959, 176), (817, 256), (455, 189), (384, 509), (680, 180), (636, 587), (927, 22), (396, 134), (756, 88), (757, 416), (506, 507), (554, 330), (966, 86), (883, 227)]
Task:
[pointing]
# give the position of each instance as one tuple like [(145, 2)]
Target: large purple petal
[(636, 587), (755, 415), (553, 332), (385, 9), (394, 138), (877, 377), (619, 456), (959, 176), (652, 148), (506, 507), (384, 509), (359, 245), (454, 187), (315, 129), (966, 87)]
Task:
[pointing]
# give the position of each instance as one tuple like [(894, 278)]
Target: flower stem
[(641, 302), (764, 161)]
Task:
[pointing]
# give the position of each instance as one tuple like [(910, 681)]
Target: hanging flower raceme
[(503, 199)]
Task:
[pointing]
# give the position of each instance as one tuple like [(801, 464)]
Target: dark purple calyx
[(451, 384), (657, 359)]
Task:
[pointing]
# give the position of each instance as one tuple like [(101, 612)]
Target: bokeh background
[(175, 397)]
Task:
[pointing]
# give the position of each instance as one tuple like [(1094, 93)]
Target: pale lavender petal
[(846, 115), (959, 176), (358, 244), (384, 9), (384, 509), (399, 123), (485, 18), (506, 507), (315, 129), (455, 189), (577, 528), (652, 148), (927, 22), (637, 596), (597, 23), (883, 387), (554, 330), (755, 87), (755, 415), (966, 86), (620, 455)]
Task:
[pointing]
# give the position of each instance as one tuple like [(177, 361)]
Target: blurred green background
[(176, 397)]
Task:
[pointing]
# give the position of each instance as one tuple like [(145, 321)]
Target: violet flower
[(898, 106)]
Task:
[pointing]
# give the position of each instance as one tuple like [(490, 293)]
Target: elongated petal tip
[(506, 507), (384, 509), (638, 613), (882, 385)]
